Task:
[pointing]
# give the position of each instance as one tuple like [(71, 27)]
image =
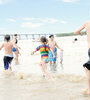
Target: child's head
[(15, 35), (51, 37), (7, 37), (43, 39)]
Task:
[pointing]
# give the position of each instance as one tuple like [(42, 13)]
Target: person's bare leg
[(16, 57), (88, 81), (10, 67), (42, 70), (44, 67), (6, 72), (56, 54), (50, 62), (54, 62)]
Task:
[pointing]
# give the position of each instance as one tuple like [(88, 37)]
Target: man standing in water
[(86, 26)]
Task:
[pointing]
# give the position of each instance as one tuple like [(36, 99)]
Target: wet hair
[(44, 40), (51, 36), (16, 39), (7, 37), (15, 34)]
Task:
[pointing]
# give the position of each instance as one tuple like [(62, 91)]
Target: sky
[(42, 16)]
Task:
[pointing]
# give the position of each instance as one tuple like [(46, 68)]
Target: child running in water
[(53, 46), (8, 57), (44, 50)]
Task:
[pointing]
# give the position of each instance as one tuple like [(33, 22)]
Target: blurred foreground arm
[(79, 30)]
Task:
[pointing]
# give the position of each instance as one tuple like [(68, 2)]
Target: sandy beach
[(26, 82)]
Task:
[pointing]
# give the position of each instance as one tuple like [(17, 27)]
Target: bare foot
[(7, 73), (44, 76), (86, 92)]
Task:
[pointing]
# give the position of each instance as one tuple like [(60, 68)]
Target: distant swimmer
[(53, 45), (15, 41), (8, 56), (44, 50), (86, 26)]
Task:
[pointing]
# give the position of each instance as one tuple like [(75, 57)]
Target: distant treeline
[(67, 34)]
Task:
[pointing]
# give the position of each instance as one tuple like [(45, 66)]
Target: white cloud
[(11, 20), (44, 20), (28, 19), (31, 25), (50, 20), (69, 0), (3, 1), (63, 22)]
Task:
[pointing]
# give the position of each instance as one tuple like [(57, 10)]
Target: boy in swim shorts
[(53, 46), (86, 26), (44, 50), (8, 57)]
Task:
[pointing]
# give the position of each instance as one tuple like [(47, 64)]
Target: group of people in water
[(48, 51)]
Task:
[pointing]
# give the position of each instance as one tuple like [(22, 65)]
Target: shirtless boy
[(53, 46), (86, 26), (8, 57)]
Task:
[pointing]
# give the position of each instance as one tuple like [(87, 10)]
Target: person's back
[(8, 48), (44, 50), (8, 56)]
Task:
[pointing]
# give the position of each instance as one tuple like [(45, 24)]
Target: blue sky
[(42, 16)]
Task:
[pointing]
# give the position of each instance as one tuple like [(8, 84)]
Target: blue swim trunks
[(46, 60), (13, 49), (51, 55)]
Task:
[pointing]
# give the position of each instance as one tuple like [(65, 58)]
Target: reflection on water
[(53, 68)]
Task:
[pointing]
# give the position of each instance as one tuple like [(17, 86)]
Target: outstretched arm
[(58, 46), (1, 46), (79, 30), (16, 47), (34, 51), (37, 49)]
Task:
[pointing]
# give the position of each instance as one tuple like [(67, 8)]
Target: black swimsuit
[(87, 64)]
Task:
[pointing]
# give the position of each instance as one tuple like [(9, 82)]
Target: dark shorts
[(7, 60), (87, 64)]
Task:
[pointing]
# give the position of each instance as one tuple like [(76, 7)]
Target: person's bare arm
[(52, 53), (16, 47), (58, 46), (79, 30), (2, 46)]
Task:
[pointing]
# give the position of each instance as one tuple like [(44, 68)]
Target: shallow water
[(25, 82)]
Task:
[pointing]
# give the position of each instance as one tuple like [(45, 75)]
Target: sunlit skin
[(52, 45), (7, 45), (17, 51), (86, 26)]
